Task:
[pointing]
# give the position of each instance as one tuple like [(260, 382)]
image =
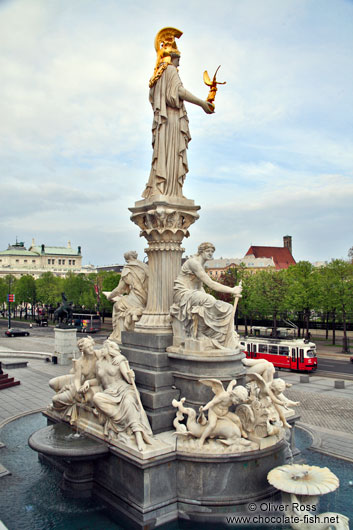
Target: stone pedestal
[(147, 356), (188, 369), (147, 493), (164, 222), (65, 345)]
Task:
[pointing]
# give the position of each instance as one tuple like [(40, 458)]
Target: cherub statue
[(222, 424), (218, 407), (268, 389)]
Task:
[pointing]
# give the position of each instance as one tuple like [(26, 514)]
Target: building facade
[(18, 261), (217, 267), (256, 259)]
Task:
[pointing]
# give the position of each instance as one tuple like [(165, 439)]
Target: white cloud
[(75, 121)]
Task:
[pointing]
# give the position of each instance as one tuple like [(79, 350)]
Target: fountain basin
[(60, 440)]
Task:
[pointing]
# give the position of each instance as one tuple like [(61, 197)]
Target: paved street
[(325, 411)]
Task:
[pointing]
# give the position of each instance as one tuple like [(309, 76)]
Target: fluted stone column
[(164, 222)]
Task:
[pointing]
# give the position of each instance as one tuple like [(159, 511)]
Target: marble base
[(65, 345), (87, 423), (148, 358), (193, 487), (189, 368)]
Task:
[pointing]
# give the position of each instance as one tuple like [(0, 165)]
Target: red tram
[(284, 350)]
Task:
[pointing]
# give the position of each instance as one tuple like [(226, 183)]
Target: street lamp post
[(10, 298)]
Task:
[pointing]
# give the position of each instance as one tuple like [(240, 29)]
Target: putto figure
[(170, 129), (198, 317), (130, 296)]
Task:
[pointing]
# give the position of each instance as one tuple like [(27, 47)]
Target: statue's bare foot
[(147, 438), (244, 435), (139, 441)]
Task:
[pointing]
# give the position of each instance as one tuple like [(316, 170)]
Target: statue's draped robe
[(214, 317), (134, 284), (171, 136), (118, 402)]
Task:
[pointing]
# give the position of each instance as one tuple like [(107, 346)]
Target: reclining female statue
[(118, 403), (67, 387)]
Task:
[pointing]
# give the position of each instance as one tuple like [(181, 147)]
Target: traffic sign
[(10, 297)]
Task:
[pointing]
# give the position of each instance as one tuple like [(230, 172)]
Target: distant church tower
[(287, 243)]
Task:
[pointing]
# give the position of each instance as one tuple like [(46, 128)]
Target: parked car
[(16, 332)]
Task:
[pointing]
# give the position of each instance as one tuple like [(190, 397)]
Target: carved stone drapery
[(164, 222)]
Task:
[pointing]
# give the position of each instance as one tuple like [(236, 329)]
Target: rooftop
[(59, 251), (280, 255)]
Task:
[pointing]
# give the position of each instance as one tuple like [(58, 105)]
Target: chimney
[(43, 248), (287, 243), (69, 244), (33, 242), (79, 250)]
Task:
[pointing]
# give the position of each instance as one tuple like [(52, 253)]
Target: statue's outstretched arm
[(204, 277), (187, 96), (120, 289)]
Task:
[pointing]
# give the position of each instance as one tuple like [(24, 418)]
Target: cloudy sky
[(75, 122)]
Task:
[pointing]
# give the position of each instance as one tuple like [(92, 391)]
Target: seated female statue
[(197, 314)]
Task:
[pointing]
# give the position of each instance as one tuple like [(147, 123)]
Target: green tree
[(301, 292), (271, 294), (10, 285), (79, 290), (324, 300), (248, 303), (49, 289), (107, 281), (350, 254), (25, 291), (340, 290), (3, 291)]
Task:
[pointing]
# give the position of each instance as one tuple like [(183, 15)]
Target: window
[(248, 348), (69, 261), (283, 350), (33, 260), (301, 351), (293, 354), (48, 261), (17, 260), (273, 349), (311, 353), (59, 261), (262, 348), (25, 261), (63, 262), (52, 261), (254, 348), (73, 262)]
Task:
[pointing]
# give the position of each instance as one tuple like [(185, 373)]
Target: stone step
[(153, 380), (9, 383), (158, 400), (9, 365)]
